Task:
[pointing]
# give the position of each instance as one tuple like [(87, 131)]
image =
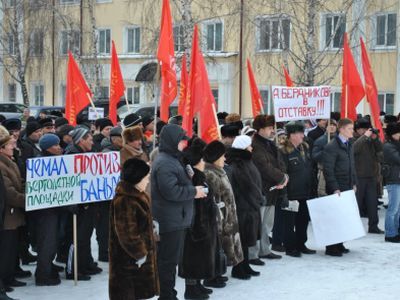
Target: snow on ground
[(369, 271)]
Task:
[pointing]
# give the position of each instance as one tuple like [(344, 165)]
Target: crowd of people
[(187, 206)]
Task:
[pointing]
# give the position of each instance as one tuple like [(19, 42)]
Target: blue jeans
[(393, 211)]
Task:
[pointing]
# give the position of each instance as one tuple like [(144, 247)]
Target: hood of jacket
[(170, 137)]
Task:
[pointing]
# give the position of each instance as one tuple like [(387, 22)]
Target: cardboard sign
[(301, 103), (95, 114), (335, 219), (56, 181)]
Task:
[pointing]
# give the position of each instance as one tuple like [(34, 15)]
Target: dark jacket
[(97, 139), (199, 253), (131, 238), (338, 164), (247, 188), (28, 149), (299, 167), (318, 148), (172, 191), (316, 133), (391, 154), (2, 201), (367, 150), (267, 159)]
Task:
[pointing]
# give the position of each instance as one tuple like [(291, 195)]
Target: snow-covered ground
[(370, 271)]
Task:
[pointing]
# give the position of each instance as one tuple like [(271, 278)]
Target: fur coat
[(219, 183), (128, 152), (131, 238)]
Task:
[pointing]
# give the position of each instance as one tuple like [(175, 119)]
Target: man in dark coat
[(318, 131), (172, 194), (103, 128), (368, 148), (339, 170)]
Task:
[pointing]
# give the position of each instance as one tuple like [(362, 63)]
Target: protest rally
[(290, 195)]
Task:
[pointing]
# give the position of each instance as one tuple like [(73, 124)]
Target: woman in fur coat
[(133, 270)]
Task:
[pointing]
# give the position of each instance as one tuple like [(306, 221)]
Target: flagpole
[(347, 102), (127, 102), (92, 103), (216, 120), (158, 94)]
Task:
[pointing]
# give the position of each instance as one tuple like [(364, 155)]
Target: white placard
[(335, 219), (301, 103), (95, 114)]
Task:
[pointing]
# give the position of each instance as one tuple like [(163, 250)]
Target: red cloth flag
[(117, 86), (289, 82), (200, 98), (352, 87), (256, 101), (371, 90), (77, 91), (183, 87), (166, 57)]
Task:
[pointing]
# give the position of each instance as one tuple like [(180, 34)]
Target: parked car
[(12, 109), (121, 111), (48, 110), (148, 110)]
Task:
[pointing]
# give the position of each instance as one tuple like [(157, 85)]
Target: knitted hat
[(48, 140), (103, 123), (64, 130), (132, 120), (241, 142), (134, 170), (213, 151), (392, 128), (262, 121), (5, 137), (293, 127), (31, 127), (60, 122), (12, 124), (230, 130), (177, 120), (132, 134), (46, 122), (116, 131), (247, 130), (78, 133)]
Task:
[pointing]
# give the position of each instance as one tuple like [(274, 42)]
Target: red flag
[(371, 90), (117, 87), (256, 101), (352, 87), (183, 87), (77, 91), (166, 56), (200, 98), (289, 81)]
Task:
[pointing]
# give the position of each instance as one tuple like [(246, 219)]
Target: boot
[(250, 271), (28, 258), (3, 296), (214, 283), (193, 292), (238, 272), (203, 289)]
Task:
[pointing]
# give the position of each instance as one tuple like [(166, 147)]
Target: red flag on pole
[(371, 90), (352, 87), (166, 57), (117, 86), (256, 101), (289, 82), (183, 86), (200, 98), (77, 91)]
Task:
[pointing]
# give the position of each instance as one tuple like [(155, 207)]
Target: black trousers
[(295, 227), (367, 197), (278, 231), (101, 223), (9, 253), (85, 225), (47, 236), (170, 248)]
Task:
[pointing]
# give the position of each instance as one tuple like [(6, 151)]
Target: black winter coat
[(338, 164), (367, 150), (391, 154), (2, 201), (247, 188), (97, 139), (200, 248)]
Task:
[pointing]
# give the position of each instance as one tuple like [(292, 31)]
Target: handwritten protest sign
[(301, 103), (71, 179)]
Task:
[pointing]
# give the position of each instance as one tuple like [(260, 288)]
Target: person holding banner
[(339, 170)]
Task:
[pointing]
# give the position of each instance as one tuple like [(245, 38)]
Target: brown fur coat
[(131, 238)]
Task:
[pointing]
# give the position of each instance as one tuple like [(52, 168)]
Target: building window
[(63, 94), (133, 94), (12, 92), (336, 101), (385, 30), (103, 93), (37, 43), (12, 47), (215, 93), (69, 41), (386, 102), (69, 1), (133, 40), (268, 106), (273, 34), (104, 41), (334, 27), (214, 36), (179, 38), (38, 94)]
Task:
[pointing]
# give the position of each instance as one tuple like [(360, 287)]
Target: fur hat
[(4, 136), (64, 130), (262, 121), (132, 134), (103, 123), (241, 142), (390, 119), (12, 124), (147, 120), (46, 122), (132, 120), (48, 140), (232, 118), (31, 127), (294, 127), (230, 130), (213, 151), (392, 128), (116, 131), (60, 122), (176, 120), (363, 123), (134, 170), (194, 152)]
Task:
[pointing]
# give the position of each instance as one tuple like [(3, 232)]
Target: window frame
[(270, 19), (126, 39), (384, 108), (323, 42), (32, 44), (98, 33), (69, 42), (179, 47), (374, 31), (9, 92), (205, 25), (34, 85)]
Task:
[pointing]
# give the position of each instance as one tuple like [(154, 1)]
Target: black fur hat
[(134, 170), (194, 152), (293, 127), (392, 128), (213, 151)]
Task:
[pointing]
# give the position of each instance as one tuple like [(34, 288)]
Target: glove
[(285, 201), (141, 261), (156, 227)]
